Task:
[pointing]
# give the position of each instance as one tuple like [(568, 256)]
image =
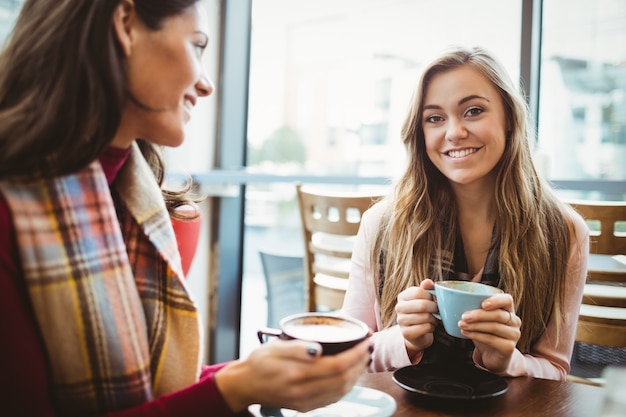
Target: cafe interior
[(310, 97)]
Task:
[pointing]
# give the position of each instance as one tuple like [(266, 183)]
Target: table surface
[(525, 397)]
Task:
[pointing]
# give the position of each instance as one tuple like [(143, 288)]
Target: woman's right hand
[(414, 316), (292, 374)]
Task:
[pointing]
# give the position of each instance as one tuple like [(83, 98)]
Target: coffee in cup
[(335, 333), (454, 298)]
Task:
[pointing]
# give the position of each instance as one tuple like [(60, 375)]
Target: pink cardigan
[(24, 389), (545, 361)]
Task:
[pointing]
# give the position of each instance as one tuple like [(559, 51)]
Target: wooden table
[(526, 397)]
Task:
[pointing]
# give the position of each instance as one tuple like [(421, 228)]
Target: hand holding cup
[(454, 298), (334, 333)]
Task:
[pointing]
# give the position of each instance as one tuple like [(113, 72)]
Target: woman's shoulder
[(376, 211), (579, 231), (576, 222), (372, 217)]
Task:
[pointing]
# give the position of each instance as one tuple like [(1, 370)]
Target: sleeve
[(360, 300), (198, 400), (548, 360)]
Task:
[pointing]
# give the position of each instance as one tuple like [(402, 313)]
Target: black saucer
[(458, 381)]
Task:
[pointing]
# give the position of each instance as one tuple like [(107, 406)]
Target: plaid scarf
[(118, 325)]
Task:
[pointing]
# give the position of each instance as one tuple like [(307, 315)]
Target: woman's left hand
[(494, 329)]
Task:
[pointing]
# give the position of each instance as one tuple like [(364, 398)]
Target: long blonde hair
[(532, 232)]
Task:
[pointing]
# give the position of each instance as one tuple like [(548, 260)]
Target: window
[(330, 82), (8, 13), (340, 74), (582, 101)]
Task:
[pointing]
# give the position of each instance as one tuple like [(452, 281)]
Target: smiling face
[(165, 77), (464, 126)]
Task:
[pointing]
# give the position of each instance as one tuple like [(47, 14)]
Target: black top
[(446, 348)]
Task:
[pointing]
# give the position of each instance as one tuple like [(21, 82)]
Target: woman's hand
[(292, 374), (414, 316), (495, 330)]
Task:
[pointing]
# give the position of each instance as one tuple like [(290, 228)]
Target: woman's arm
[(549, 360), (200, 399), (24, 378)]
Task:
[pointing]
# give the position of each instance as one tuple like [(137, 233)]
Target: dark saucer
[(445, 381)]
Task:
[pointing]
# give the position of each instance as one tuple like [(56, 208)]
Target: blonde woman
[(470, 206)]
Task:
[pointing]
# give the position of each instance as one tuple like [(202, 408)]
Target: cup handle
[(267, 331), (437, 315)]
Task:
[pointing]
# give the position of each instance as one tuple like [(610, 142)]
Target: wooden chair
[(601, 331), (607, 225), (600, 341), (330, 221)]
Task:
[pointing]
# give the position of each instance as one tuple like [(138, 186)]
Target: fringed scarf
[(118, 325)]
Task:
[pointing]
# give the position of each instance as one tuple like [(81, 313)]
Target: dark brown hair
[(63, 84)]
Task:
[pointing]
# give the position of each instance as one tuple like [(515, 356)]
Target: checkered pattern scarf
[(118, 325)]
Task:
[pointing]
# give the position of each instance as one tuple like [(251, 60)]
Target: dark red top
[(24, 371)]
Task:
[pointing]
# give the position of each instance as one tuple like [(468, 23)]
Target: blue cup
[(455, 298)]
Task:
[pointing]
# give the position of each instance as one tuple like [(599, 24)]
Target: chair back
[(284, 279), (601, 329), (600, 339), (607, 224), (599, 324), (330, 221)]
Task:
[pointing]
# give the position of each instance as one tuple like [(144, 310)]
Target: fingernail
[(314, 349)]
